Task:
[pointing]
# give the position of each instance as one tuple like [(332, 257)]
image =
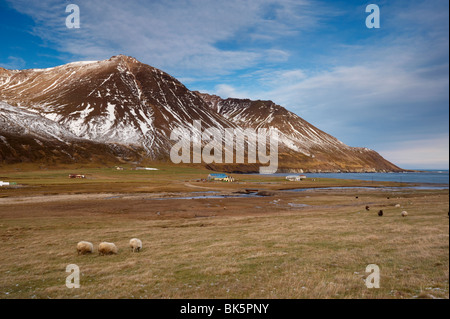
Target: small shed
[(295, 178), (220, 177)]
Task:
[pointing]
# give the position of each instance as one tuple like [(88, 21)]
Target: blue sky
[(386, 89)]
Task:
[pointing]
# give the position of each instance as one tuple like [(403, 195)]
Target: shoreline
[(208, 194)]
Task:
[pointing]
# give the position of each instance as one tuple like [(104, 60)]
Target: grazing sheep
[(107, 249), (404, 213), (85, 247), (397, 206), (380, 213), (367, 208), (135, 245)]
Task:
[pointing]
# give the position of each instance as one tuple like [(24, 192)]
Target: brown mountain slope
[(129, 107), (304, 146)]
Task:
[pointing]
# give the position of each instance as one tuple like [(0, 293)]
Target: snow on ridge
[(72, 64), (26, 122), (81, 63), (138, 125)]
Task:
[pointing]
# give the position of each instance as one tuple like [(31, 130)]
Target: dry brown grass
[(230, 248)]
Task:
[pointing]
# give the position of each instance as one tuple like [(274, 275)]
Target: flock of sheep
[(381, 213), (105, 248)]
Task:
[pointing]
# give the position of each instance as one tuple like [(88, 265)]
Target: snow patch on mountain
[(19, 120)]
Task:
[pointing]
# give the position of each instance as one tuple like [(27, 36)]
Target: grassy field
[(265, 247)]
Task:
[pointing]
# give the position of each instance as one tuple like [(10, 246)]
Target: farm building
[(220, 177), (295, 178), (8, 183)]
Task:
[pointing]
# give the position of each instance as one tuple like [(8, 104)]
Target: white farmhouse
[(295, 178)]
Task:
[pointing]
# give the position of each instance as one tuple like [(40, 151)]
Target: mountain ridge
[(123, 103)]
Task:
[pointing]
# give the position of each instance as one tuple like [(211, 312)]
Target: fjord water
[(428, 176)]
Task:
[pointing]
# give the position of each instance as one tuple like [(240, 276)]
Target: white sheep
[(397, 206), (135, 245), (85, 247), (107, 249), (404, 213)]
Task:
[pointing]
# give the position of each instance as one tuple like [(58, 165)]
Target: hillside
[(123, 110)]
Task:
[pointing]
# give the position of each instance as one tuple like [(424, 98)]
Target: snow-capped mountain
[(304, 146), (119, 100), (129, 107)]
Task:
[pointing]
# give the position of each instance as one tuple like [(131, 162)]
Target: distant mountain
[(123, 110)]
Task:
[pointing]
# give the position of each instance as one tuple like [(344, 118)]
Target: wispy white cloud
[(225, 90), (14, 63), (370, 89), (171, 34), (432, 153)]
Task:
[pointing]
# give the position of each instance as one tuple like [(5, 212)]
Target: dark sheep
[(380, 213)]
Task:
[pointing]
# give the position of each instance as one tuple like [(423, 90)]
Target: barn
[(295, 178), (220, 177)]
